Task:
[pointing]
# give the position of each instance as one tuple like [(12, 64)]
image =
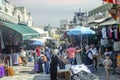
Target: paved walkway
[(27, 73)]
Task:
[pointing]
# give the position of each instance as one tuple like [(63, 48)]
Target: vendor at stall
[(23, 56)]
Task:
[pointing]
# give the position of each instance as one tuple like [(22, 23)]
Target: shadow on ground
[(27, 72), (41, 77)]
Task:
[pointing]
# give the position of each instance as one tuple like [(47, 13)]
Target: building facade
[(11, 13), (99, 15)]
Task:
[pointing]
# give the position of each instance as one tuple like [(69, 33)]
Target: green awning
[(25, 31)]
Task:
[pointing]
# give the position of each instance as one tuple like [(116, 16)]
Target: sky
[(46, 12)]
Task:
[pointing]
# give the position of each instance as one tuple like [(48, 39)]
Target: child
[(107, 64)]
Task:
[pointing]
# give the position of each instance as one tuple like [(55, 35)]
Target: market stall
[(79, 31), (12, 37)]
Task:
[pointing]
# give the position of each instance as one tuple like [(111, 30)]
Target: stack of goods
[(64, 59), (38, 67), (81, 72), (118, 64), (9, 71), (83, 75), (2, 70), (118, 60), (63, 74)]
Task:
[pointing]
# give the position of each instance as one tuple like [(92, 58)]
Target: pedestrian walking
[(107, 64), (53, 66), (107, 51), (46, 65), (23, 56), (61, 49), (38, 53), (89, 59), (95, 54), (71, 54)]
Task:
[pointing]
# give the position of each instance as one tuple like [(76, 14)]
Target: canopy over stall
[(25, 31), (80, 30)]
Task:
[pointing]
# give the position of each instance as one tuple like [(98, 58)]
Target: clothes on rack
[(104, 42), (16, 59), (116, 46), (111, 32), (104, 32)]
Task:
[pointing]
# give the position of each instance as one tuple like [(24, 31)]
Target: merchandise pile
[(82, 75)]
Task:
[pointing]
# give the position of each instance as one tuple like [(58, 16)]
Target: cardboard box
[(64, 73), (118, 60)]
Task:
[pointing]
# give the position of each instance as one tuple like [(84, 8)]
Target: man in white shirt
[(89, 59), (23, 56), (95, 55)]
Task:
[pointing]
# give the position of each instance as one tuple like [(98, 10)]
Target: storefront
[(13, 36)]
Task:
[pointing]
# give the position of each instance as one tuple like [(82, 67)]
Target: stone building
[(11, 13), (100, 16)]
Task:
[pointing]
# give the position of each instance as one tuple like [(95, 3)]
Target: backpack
[(86, 55), (86, 58)]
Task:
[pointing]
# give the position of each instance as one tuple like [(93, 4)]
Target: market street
[(27, 73), (59, 40)]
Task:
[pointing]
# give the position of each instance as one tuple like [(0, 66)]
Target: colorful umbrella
[(79, 30), (37, 43)]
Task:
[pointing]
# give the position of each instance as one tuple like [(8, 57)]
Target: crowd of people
[(51, 57)]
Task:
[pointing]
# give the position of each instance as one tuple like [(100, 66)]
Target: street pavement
[(27, 73)]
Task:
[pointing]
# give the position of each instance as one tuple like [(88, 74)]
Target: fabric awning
[(108, 22), (25, 31), (100, 20), (39, 30), (102, 8)]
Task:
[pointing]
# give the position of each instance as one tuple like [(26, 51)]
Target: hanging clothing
[(104, 32), (104, 42), (107, 31), (110, 32), (113, 32), (1, 41), (119, 32), (116, 32), (15, 59)]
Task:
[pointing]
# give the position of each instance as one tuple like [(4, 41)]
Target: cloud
[(52, 2)]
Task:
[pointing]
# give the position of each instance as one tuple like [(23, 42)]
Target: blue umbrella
[(37, 43), (80, 31)]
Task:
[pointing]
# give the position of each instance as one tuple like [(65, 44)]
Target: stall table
[(64, 73)]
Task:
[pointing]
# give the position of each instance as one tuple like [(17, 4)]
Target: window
[(18, 17), (6, 10)]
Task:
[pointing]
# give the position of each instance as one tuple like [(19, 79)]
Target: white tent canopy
[(39, 30), (35, 39)]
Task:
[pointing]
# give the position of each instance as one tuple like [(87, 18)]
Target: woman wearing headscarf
[(53, 65)]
